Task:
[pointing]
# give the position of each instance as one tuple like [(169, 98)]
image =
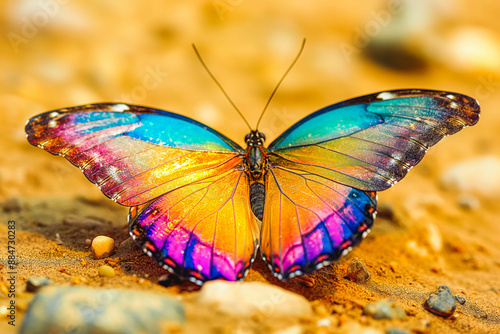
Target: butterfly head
[(255, 138)]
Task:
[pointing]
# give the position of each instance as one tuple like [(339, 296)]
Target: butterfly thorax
[(255, 154)]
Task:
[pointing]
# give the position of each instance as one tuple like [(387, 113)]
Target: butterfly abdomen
[(257, 198)]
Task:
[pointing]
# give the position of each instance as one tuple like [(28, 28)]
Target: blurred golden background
[(61, 53)]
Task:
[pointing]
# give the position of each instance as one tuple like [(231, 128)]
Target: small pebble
[(357, 271), (106, 271), (394, 330), (297, 329), (167, 280), (128, 243), (435, 268), (434, 237), (77, 280), (478, 175), (306, 280), (384, 309), (325, 322), (457, 247), (460, 300), (400, 42), (419, 206), (482, 58), (58, 239), (320, 309), (386, 210), (83, 221), (356, 328), (441, 302), (413, 247), (88, 242), (35, 283), (102, 247), (469, 202), (12, 205)]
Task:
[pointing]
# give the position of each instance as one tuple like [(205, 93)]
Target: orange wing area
[(310, 221), (202, 231), (133, 156)]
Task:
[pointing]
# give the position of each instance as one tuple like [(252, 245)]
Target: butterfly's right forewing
[(371, 142)]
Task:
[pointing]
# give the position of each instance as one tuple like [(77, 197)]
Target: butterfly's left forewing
[(324, 170), (132, 153)]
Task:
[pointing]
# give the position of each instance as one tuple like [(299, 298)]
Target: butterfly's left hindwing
[(202, 231)]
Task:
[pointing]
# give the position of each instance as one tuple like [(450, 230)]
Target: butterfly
[(202, 205)]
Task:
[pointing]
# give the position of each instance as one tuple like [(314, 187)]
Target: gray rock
[(34, 283), (441, 302), (460, 300), (12, 205), (394, 330), (384, 309), (357, 271), (87, 311), (469, 202), (167, 280)]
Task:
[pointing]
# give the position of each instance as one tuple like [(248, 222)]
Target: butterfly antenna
[(281, 80), (220, 86)]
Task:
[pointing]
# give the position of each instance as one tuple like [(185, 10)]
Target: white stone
[(483, 57), (418, 205), (253, 298), (355, 328), (434, 237), (413, 247), (479, 175), (297, 329)]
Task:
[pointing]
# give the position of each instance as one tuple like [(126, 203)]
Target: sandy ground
[(110, 51)]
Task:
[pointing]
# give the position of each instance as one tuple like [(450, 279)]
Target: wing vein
[(330, 169), (160, 184)]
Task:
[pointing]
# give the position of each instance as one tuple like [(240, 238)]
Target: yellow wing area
[(202, 231)]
